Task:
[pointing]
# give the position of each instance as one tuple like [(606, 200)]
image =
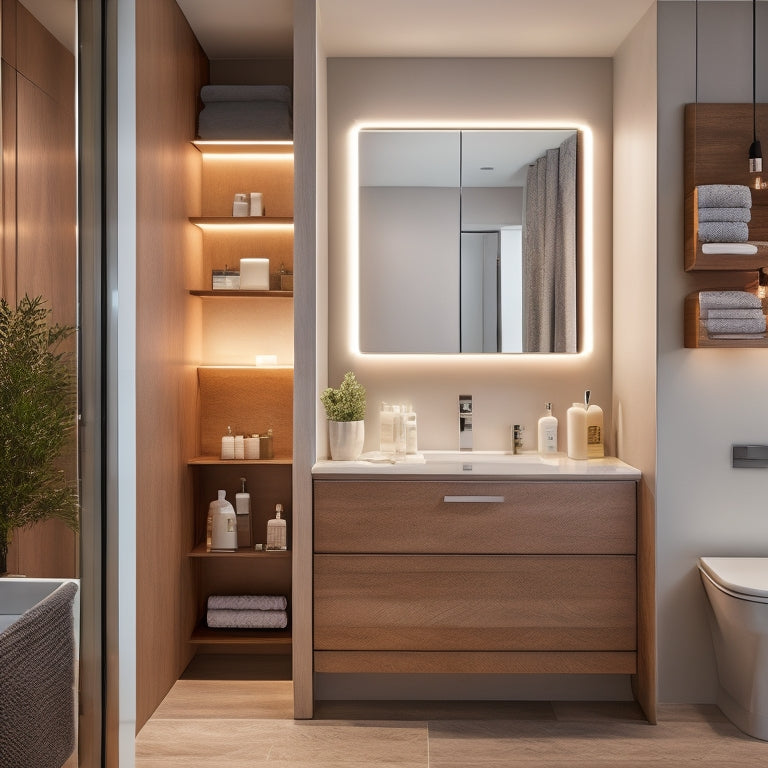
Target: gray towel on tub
[(725, 214), (37, 675), (723, 232), (724, 196)]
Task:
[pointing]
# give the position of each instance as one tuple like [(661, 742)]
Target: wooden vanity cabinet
[(473, 576)]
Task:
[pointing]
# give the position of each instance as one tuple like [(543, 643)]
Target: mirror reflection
[(467, 241)]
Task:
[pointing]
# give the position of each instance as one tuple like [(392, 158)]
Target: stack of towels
[(732, 314), (247, 612), (245, 112), (724, 216)]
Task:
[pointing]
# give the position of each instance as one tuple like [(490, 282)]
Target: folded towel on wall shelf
[(245, 120), (737, 325), (225, 619), (725, 214), (728, 299), (724, 196), (736, 335), (731, 314), (213, 93), (248, 602), (723, 231), (732, 249)]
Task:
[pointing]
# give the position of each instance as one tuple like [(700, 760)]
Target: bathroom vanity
[(475, 563)]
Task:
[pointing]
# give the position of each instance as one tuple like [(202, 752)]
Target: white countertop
[(481, 464)]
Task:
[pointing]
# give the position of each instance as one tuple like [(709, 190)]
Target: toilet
[(737, 588)]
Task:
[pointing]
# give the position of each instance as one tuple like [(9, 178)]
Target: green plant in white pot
[(345, 409), (37, 420)]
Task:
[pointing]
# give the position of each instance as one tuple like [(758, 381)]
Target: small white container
[(257, 208), (243, 514), (239, 447), (228, 446), (547, 431), (240, 205), (577, 432), (276, 531), (595, 443), (223, 525), (252, 444), (254, 274)]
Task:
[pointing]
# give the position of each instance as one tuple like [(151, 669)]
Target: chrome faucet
[(465, 422)]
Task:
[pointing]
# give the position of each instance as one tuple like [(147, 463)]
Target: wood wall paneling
[(171, 69)]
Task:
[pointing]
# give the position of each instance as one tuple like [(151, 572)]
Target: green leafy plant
[(347, 403), (37, 420)]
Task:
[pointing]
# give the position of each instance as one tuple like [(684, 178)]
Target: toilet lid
[(746, 576)]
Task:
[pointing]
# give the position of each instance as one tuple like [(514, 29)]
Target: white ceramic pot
[(346, 439)]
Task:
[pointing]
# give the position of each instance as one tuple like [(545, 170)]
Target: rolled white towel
[(732, 249), (247, 619), (728, 299), (725, 214), (248, 602), (724, 196)]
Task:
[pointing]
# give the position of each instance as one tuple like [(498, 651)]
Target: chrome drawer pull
[(472, 499)]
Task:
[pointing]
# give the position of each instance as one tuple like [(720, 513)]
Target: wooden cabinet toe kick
[(483, 662)]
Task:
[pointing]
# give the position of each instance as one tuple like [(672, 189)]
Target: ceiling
[(243, 29)]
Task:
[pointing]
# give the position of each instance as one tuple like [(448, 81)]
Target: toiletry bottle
[(577, 432), (276, 530), (224, 525), (240, 206), (411, 439), (256, 204), (243, 514), (595, 445), (548, 431), (228, 445), (399, 430), (266, 450), (239, 447), (252, 447), (386, 429)]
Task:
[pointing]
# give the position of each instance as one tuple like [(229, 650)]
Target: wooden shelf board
[(203, 635), (213, 461), (240, 221), (199, 551), (210, 146), (696, 336), (221, 294)]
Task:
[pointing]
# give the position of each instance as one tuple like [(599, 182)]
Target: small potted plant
[(345, 409), (37, 420)]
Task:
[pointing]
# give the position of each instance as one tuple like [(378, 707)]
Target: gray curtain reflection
[(549, 251)]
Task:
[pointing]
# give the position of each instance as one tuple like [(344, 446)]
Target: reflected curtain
[(549, 251)]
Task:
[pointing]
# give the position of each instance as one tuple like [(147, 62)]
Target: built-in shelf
[(200, 551), (203, 635), (240, 221), (214, 147), (696, 336), (219, 294), (213, 461)]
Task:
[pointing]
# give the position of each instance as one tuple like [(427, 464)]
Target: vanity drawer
[(556, 517), (474, 603)]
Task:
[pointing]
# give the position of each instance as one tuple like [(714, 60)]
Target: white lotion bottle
[(223, 525), (243, 514), (577, 432), (276, 530), (548, 431), (595, 443)]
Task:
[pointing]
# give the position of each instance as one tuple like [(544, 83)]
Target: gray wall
[(710, 398)]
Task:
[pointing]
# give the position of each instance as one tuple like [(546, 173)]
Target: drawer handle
[(474, 499)]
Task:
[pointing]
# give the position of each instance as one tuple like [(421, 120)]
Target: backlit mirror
[(467, 241)]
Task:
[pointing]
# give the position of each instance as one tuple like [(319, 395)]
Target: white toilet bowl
[(737, 588)]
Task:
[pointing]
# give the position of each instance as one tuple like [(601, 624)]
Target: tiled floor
[(234, 724)]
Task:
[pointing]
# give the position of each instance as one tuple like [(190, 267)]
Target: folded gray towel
[(734, 314), (212, 93), (724, 196), (248, 602), (725, 214), (723, 232), (727, 300), (224, 619), (245, 120), (736, 335), (743, 325)]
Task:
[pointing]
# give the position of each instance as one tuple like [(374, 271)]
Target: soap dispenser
[(548, 431), (223, 525), (276, 530), (595, 443), (243, 514)]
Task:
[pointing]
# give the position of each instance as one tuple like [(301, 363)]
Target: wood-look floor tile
[(433, 710), (599, 711), (238, 699)]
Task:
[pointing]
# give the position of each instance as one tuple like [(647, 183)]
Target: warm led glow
[(249, 224), (586, 225), (262, 157)]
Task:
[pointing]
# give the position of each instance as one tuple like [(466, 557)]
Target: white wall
[(709, 398), (509, 389)]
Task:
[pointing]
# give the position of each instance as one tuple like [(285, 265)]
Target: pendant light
[(755, 150)]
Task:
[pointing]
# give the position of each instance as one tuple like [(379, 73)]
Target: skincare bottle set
[(246, 447), (585, 430), (248, 204), (228, 529), (397, 435)]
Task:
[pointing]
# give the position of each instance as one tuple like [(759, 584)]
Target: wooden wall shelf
[(696, 336), (199, 551), (203, 635), (214, 461), (213, 147), (227, 294), (239, 221)]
